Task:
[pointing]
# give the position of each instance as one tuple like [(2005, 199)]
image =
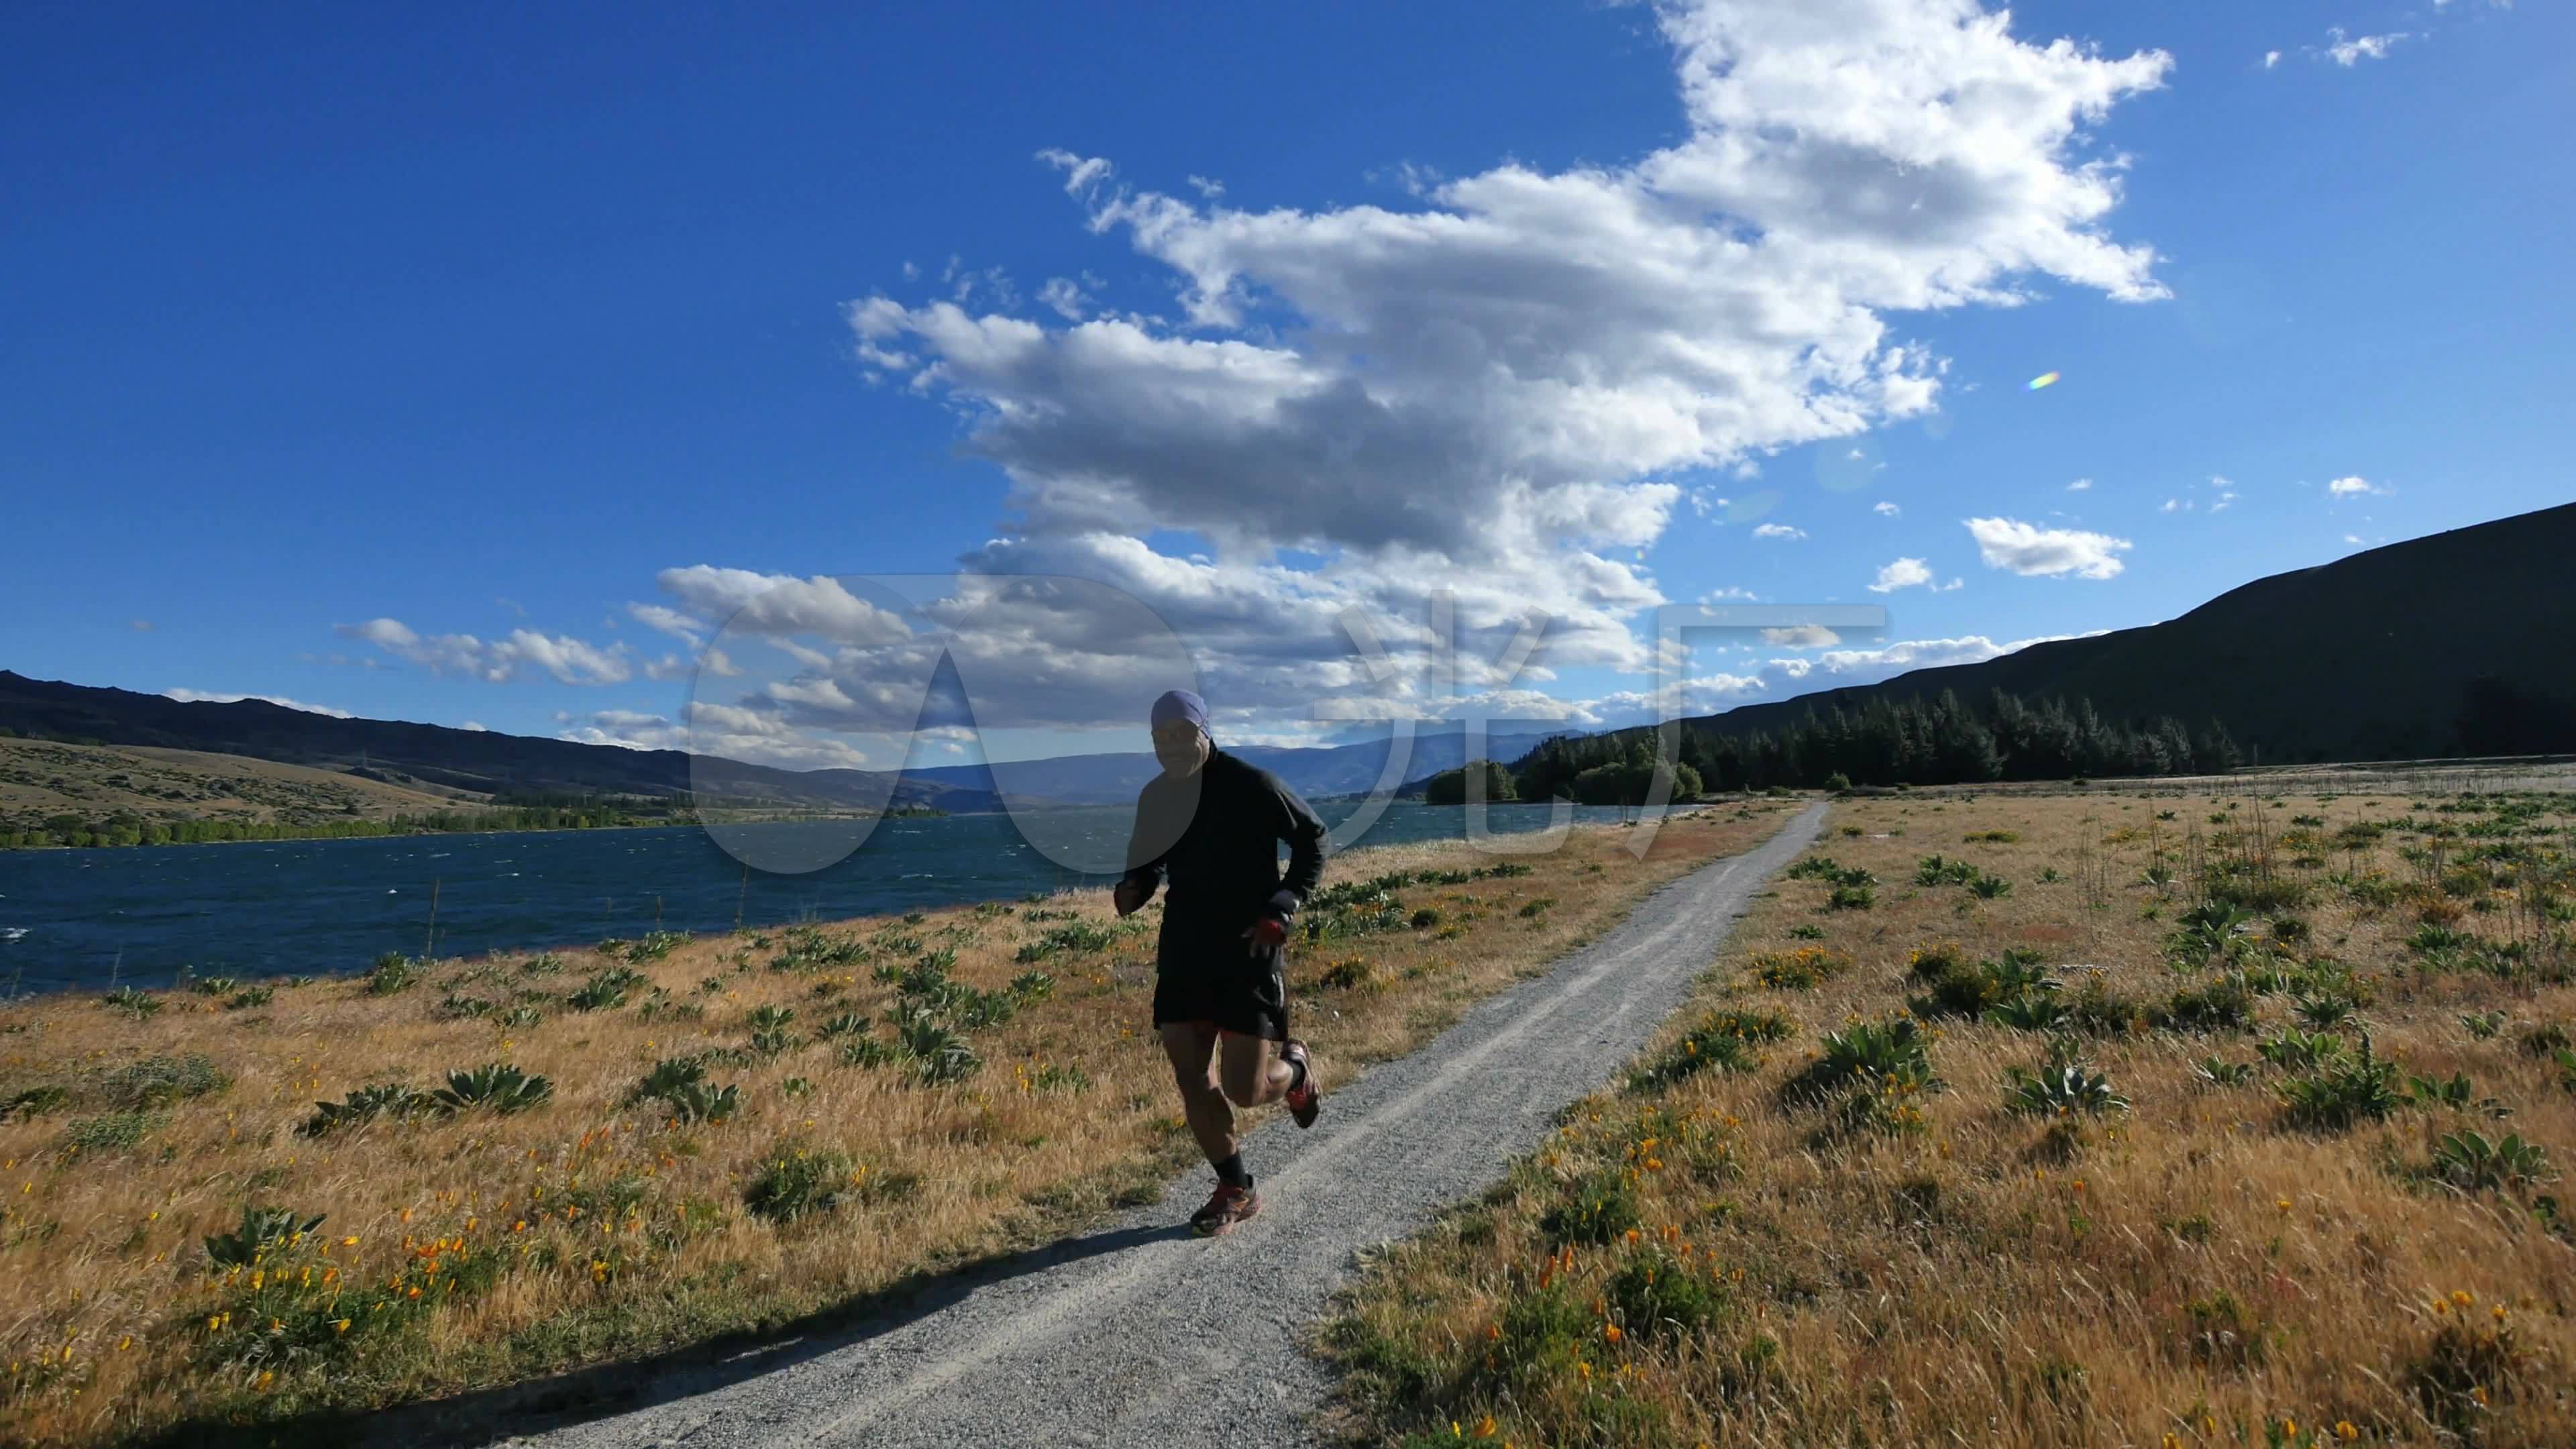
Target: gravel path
[(1138, 1334)]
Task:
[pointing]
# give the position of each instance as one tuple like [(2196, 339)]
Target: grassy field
[(2025, 1121), (675, 1139), (41, 779)]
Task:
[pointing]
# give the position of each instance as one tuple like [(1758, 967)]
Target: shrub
[(392, 972), (137, 1004), (1851, 898), (1722, 1039), (2226, 1004), (848, 1023), (365, 1105), (1654, 1295), (2220, 1073), (250, 996), (2064, 1085), (2483, 1027), (937, 1053), (1815, 867), (2028, 1013), (113, 1132), (1596, 1208), (494, 1085), (1894, 1051), (1989, 887), (2458, 1094), (1838, 782), (607, 988), (2339, 1093), (1801, 969), (2301, 1049), (1079, 938), (2468, 1161), (798, 1181), (2325, 1012), (34, 1102), (157, 1081), (2546, 1039), (1537, 907), (869, 1051), (263, 1231), (1932, 870), (1351, 973)]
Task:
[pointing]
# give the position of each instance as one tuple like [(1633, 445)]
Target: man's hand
[(1130, 896), (1269, 932)]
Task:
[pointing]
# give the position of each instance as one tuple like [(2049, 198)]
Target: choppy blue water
[(84, 918)]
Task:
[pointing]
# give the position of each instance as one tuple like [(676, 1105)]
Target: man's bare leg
[(1253, 1072), (1192, 1047)]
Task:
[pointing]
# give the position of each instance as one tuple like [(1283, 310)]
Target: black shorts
[(1208, 976)]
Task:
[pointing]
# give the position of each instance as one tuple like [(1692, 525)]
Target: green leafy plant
[(797, 1181), (365, 1105), (137, 1004), (494, 1086), (2065, 1084), (1596, 1207), (2339, 1093), (607, 988), (2221, 1073), (393, 972), (2472, 1163), (263, 1231)]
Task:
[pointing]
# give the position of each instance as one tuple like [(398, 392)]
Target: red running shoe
[(1227, 1206), (1306, 1099)]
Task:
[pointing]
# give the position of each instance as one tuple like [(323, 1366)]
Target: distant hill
[(400, 752), (2458, 643), (485, 763)]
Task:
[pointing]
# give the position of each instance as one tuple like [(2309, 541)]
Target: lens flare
[(2043, 380)]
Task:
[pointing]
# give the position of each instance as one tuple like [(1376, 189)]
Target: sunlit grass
[(247, 1203), (2196, 1136)]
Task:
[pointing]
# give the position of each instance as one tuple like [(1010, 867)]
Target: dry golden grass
[(591, 1228), (2193, 1271), (39, 778)]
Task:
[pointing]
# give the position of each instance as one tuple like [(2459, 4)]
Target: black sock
[(1231, 1172)]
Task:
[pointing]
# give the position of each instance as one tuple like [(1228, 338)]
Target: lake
[(142, 915)]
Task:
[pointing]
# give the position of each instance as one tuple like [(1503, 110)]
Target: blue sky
[(476, 367)]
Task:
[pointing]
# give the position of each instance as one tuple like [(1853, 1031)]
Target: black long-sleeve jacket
[(1214, 836)]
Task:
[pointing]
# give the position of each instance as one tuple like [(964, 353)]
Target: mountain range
[(2456, 643)]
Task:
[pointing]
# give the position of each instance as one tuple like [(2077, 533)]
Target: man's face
[(1181, 746)]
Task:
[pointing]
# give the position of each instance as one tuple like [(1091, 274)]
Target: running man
[(1211, 824)]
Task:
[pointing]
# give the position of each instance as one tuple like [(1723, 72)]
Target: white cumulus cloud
[(2030, 550), (1905, 573)]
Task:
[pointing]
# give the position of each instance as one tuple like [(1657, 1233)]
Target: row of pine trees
[(1915, 741)]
